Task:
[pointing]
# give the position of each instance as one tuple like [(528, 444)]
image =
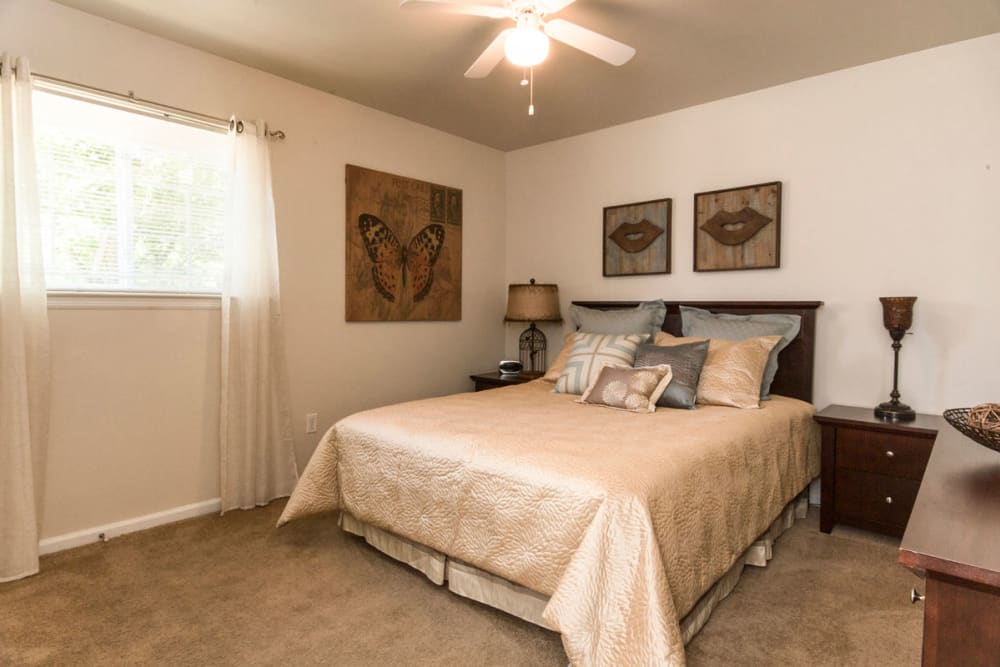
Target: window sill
[(132, 301)]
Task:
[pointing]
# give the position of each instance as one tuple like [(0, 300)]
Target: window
[(129, 203)]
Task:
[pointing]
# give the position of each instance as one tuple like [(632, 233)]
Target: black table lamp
[(897, 316), (532, 303)]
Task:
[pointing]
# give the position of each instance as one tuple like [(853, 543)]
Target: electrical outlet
[(311, 422)]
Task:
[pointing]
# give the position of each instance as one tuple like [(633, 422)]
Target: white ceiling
[(411, 63)]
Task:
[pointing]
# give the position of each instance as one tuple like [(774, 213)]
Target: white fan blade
[(458, 7), (489, 58), (553, 6), (588, 41)]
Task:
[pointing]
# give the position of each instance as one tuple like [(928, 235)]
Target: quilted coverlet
[(624, 519)]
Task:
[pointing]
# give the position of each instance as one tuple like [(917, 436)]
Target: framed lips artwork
[(738, 228), (637, 238)]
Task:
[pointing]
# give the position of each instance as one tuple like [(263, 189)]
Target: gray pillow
[(703, 324), (685, 361), (646, 318)]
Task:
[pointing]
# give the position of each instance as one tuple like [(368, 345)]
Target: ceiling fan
[(527, 44)]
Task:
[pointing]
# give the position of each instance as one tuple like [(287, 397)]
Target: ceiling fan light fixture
[(527, 45)]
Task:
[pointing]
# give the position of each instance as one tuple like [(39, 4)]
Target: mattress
[(623, 521)]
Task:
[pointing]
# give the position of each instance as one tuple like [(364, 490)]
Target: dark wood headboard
[(795, 363)]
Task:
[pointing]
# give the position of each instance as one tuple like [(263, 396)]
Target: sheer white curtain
[(24, 331), (256, 446)]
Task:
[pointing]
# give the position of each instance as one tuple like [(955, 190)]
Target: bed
[(620, 531)]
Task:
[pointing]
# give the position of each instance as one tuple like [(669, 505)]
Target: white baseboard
[(106, 532)]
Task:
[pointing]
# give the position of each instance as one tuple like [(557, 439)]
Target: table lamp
[(532, 303), (897, 316)]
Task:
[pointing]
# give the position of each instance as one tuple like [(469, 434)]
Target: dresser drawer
[(892, 454), (875, 498)]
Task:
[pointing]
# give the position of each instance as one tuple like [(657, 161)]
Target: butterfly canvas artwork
[(404, 248)]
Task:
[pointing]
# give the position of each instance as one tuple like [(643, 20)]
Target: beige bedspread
[(623, 519)]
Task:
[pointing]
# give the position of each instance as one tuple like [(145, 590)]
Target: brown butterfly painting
[(396, 267), (404, 248)]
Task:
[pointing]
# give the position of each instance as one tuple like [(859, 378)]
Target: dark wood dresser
[(953, 540), (872, 468)]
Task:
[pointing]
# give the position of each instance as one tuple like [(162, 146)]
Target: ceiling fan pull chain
[(531, 93), (524, 77)]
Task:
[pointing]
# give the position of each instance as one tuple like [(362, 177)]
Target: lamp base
[(895, 412), (532, 347)]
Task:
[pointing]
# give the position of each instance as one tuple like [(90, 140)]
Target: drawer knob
[(888, 500), (915, 597), (890, 453)]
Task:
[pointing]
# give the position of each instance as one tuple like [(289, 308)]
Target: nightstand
[(872, 468), (494, 379)]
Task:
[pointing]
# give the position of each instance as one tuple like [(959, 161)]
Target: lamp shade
[(526, 47), (532, 303), (897, 312)]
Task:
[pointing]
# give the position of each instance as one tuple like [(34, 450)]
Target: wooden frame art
[(738, 228), (404, 248), (637, 238)]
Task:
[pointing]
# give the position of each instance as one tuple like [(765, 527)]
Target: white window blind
[(128, 202)]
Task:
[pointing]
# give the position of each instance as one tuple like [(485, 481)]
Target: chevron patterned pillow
[(592, 352)]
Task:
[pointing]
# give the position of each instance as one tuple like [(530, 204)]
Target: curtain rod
[(138, 105)]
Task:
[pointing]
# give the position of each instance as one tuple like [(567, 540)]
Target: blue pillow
[(645, 319)]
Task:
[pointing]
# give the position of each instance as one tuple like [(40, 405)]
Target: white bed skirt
[(471, 582)]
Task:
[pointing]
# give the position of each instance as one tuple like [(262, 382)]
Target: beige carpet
[(234, 591)]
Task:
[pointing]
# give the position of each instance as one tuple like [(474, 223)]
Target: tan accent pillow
[(556, 369), (669, 340), (627, 388), (733, 371)]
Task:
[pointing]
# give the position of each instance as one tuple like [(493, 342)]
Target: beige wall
[(135, 414), (891, 176), (134, 410)]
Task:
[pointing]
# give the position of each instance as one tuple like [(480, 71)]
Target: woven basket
[(981, 423)]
